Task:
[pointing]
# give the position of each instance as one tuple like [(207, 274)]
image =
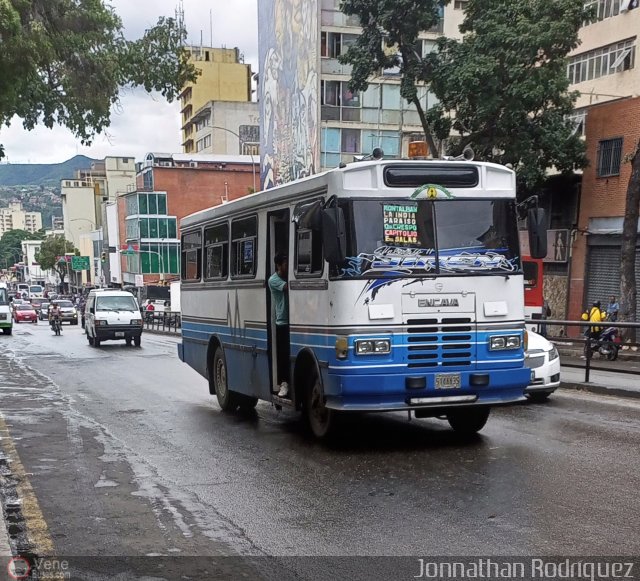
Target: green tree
[(65, 61), (11, 246), (389, 39), (503, 88), (51, 250)]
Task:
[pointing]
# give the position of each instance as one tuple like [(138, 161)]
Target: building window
[(216, 250), (351, 141), (244, 239), (600, 62), (601, 9), (333, 44), (579, 119), (460, 4), (330, 147), (192, 256), (609, 157)]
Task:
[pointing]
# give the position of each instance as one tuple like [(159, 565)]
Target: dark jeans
[(282, 352)]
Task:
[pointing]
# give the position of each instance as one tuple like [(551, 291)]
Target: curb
[(159, 332), (600, 390), (5, 548)]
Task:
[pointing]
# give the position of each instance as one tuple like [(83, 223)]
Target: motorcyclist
[(54, 313)]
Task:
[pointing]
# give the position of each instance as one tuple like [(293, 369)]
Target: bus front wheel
[(321, 419), (468, 421), (227, 400)]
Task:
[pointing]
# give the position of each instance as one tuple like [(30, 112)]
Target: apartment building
[(605, 65), (227, 128), (84, 194), (223, 77), (14, 217), (309, 119), (604, 69)]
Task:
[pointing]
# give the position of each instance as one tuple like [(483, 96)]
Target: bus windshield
[(4, 296), (424, 237), (35, 289)]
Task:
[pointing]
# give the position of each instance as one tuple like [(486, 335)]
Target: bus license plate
[(120, 335), (448, 381)]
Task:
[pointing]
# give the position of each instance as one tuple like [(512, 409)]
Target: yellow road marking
[(36, 527)]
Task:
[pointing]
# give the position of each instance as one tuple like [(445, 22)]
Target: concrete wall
[(602, 197)]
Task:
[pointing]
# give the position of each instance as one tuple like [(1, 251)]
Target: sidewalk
[(602, 382)]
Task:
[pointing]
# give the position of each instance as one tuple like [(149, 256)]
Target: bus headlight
[(373, 347), (505, 342)]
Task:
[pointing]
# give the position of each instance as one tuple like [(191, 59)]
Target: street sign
[(80, 263), (139, 280)]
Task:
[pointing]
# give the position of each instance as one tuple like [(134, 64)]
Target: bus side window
[(244, 241), (192, 256), (216, 246), (309, 260)]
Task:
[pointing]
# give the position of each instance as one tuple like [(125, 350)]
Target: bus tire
[(320, 419), (227, 400), (468, 421)]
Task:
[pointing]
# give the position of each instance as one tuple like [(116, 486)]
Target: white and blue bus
[(405, 292)]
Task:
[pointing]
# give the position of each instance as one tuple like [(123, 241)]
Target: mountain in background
[(36, 174)]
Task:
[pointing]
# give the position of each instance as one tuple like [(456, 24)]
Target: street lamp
[(253, 163)]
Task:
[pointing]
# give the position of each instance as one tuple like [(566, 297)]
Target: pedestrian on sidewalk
[(612, 309)]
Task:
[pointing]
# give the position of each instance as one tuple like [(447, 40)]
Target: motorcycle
[(607, 344), (56, 325)]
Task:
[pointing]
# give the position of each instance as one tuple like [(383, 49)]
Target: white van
[(6, 319), (112, 315)]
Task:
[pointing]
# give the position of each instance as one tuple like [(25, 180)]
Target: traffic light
[(103, 257)]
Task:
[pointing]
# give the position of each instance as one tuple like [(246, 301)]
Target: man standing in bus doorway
[(280, 296)]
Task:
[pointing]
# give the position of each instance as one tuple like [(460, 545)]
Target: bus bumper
[(398, 392)]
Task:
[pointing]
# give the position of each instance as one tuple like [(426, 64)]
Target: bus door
[(277, 243)]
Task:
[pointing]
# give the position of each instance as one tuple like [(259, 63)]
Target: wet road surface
[(128, 454)]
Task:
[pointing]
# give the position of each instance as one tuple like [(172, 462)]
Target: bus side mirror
[(334, 237), (537, 221)]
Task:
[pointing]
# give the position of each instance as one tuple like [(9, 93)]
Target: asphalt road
[(127, 454)]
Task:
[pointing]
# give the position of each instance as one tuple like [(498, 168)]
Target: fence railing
[(167, 321), (587, 342)]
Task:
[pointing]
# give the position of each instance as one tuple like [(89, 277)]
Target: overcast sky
[(143, 122)]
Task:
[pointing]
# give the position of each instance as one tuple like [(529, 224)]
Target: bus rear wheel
[(468, 421), (227, 400), (320, 419)]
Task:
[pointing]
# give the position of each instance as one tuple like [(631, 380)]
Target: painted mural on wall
[(289, 89)]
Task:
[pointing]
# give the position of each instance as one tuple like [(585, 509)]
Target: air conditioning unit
[(193, 164)]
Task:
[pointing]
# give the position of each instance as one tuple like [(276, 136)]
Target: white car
[(544, 361)]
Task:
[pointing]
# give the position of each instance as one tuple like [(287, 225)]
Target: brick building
[(612, 132), (168, 188)]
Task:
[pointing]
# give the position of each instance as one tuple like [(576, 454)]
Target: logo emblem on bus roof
[(432, 192)]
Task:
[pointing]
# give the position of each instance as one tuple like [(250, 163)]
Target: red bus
[(533, 283)]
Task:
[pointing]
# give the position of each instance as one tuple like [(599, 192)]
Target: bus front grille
[(445, 342)]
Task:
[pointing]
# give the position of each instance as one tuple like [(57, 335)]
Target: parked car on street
[(25, 313), (543, 359), (68, 313)]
